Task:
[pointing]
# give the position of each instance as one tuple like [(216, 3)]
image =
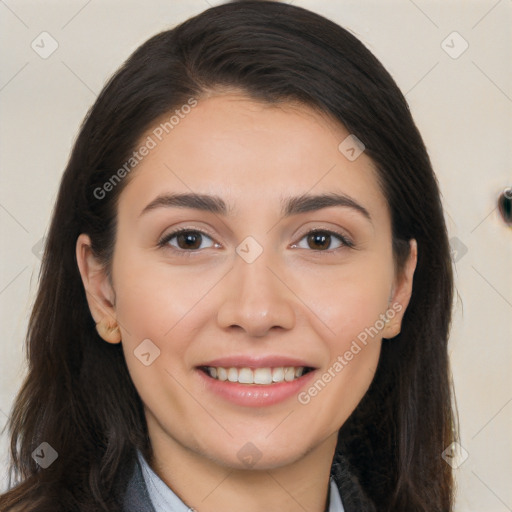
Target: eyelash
[(164, 242), (345, 242)]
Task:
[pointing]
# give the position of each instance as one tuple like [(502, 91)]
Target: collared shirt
[(164, 500)]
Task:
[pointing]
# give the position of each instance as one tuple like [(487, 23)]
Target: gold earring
[(109, 331)]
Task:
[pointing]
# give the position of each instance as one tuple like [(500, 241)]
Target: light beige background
[(463, 107)]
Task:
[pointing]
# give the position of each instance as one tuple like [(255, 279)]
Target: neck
[(209, 486)]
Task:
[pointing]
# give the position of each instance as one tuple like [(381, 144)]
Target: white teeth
[(278, 374), (289, 373), (245, 376), (263, 376)]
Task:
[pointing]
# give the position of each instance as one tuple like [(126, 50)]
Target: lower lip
[(255, 395)]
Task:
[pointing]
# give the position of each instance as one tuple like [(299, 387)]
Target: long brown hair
[(78, 395)]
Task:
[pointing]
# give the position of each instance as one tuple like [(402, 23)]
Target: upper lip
[(268, 361)]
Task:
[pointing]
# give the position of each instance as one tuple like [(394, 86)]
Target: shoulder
[(135, 496), (352, 494)]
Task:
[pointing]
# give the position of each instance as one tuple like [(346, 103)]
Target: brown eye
[(187, 240), (322, 240), (319, 241)]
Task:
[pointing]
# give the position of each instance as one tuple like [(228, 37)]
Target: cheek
[(157, 303), (352, 310), (349, 298), (167, 305), (154, 298), (350, 302)]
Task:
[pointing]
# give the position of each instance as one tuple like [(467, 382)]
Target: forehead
[(249, 152)]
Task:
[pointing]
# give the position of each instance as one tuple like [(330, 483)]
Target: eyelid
[(345, 239), (164, 240)]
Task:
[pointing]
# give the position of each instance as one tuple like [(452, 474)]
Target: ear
[(401, 294), (98, 289)]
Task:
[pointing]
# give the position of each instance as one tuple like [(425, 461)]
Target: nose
[(257, 299)]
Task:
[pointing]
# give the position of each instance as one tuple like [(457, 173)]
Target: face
[(253, 261)]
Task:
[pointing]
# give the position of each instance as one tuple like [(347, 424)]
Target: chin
[(262, 456)]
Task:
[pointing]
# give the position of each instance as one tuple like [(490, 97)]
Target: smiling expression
[(252, 253)]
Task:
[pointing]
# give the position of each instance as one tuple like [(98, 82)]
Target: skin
[(295, 299)]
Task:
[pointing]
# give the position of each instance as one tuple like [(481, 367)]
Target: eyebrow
[(307, 203), (203, 202), (290, 205)]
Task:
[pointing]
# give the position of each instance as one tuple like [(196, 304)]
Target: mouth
[(255, 380), (265, 376)]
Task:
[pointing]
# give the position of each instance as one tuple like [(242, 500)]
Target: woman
[(245, 296)]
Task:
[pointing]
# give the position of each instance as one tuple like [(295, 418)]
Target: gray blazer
[(136, 496)]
